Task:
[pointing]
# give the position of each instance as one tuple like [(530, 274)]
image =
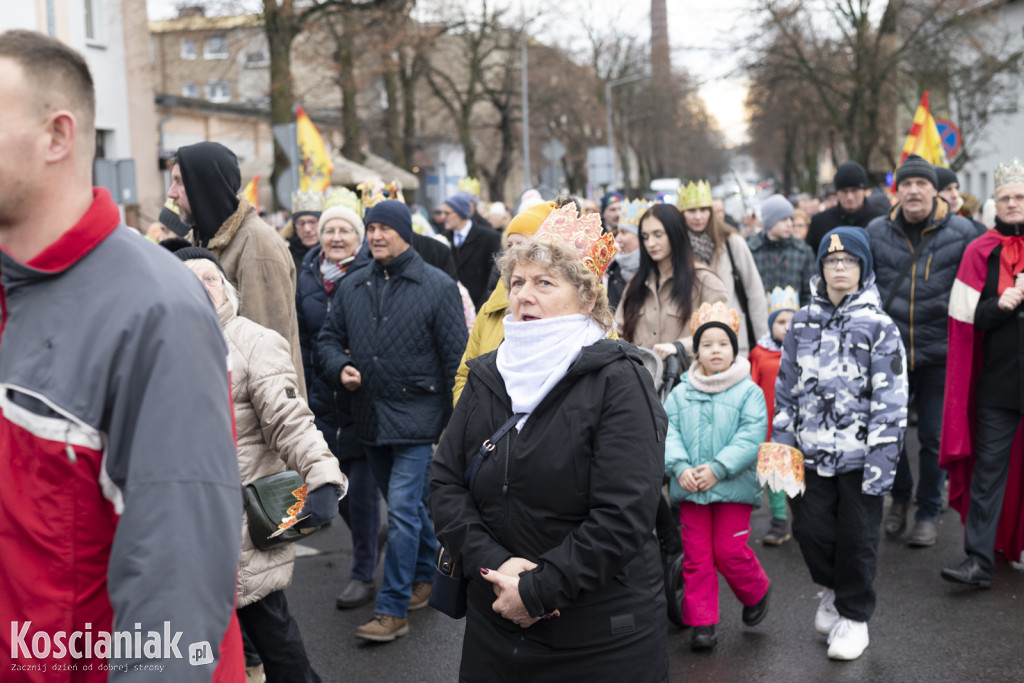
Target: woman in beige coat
[(667, 287), (275, 431)]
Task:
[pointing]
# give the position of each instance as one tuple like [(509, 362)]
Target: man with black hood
[(851, 183), (205, 182)]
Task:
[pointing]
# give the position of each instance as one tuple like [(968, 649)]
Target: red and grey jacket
[(120, 505)]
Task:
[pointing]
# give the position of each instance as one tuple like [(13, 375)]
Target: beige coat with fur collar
[(256, 260)]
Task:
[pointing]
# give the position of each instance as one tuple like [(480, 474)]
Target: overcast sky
[(704, 36)]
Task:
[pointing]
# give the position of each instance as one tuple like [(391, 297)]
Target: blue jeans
[(403, 475), (361, 511), (928, 385)]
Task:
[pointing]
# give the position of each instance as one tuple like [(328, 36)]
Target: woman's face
[(536, 294), (714, 353), (338, 240), (211, 278), (655, 239), (697, 219)]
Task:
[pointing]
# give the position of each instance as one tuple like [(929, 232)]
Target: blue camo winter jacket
[(841, 394), (402, 326), (721, 429)]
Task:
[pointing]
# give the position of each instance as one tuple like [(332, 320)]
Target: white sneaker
[(848, 639), (827, 615)]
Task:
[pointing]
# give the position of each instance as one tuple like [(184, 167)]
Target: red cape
[(963, 362)]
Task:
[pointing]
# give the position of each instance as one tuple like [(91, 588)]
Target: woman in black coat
[(556, 533), (340, 251)]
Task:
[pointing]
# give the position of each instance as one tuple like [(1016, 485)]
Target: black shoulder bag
[(449, 592), (741, 294)]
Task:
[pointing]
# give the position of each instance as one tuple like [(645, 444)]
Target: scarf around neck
[(703, 245), (1011, 258), (628, 263), (535, 355), (719, 382), (332, 272)]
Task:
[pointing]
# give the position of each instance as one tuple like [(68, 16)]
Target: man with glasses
[(986, 389), (917, 250)]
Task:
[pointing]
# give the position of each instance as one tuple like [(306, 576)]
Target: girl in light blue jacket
[(717, 420)]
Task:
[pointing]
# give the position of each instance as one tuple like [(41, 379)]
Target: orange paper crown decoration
[(373, 193), (715, 313), (781, 468), (584, 233)]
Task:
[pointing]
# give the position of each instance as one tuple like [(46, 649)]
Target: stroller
[(666, 376)]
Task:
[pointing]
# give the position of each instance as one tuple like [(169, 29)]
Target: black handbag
[(449, 592), (266, 502)]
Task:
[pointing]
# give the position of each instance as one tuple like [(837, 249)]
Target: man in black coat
[(475, 248), (851, 183), (394, 337), (917, 250)]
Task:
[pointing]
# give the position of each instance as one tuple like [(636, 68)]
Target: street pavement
[(923, 629)]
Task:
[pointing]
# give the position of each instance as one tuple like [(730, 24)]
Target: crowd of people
[(480, 373)]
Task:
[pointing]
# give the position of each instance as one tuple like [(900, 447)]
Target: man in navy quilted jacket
[(393, 337)]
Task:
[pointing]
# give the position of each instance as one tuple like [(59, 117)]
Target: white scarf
[(535, 355)]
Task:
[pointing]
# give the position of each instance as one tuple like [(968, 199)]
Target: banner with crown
[(584, 233), (470, 186), (633, 211), (695, 196), (781, 468), (342, 196)]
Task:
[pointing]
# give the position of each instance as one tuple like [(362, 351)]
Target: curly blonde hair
[(560, 259)]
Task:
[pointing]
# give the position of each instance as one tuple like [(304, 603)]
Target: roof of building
[(183, 24)]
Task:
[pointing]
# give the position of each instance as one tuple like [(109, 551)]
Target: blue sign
[(950, 136)]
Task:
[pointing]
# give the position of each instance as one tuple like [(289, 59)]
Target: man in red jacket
[(120, 504)]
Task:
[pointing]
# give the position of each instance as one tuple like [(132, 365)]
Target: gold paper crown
[(373, 193), (780, 299), (633, 211), (583, 233), (310, 200), (781, 468), (1011, 171), (714, 313), (342, 196), (695, 196), (470, 185)]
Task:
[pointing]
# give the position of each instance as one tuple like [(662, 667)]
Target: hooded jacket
[(921, 305), (254, 257), (576, 491), (841, 395)]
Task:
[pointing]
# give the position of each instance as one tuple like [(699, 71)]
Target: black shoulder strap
[(741, 294), (486, 448), (898, 282)]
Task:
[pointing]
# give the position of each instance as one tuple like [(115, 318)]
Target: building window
[(256, 60), (215, 48), (218, 91), (93, 21), (189, 89), (188, 48)]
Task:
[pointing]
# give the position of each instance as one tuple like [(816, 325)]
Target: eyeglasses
[(832, 262), (331, 232), (437, 212), (1017, 198)]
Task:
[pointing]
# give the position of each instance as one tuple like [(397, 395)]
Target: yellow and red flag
[(924, 139), (252, 191), (315, 166)]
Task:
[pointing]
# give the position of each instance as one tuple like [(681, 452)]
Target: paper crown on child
[(583, 233), (781, 468), (306, 202), (342, 196), (632, 212), (470, 185), (714, 314), (781, 299), (373, 193), (695, 196), (1011, 171)]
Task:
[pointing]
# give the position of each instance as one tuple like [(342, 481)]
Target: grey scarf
[(628, 263), (703, 245)]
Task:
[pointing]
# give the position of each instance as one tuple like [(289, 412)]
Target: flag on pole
[(924, 139), (316, 167), (252, 191)]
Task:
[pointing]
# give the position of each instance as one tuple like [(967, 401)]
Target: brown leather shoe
[(383, 628), (895, 520), (420, 595)]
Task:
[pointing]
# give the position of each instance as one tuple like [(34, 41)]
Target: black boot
[(703, 638)]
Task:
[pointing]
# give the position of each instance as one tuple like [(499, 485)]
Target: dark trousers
[(360, 508), (927, 384), (837, 528), (996, 428), (275, 635)]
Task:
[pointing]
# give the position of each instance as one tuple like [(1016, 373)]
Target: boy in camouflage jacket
[(841, 399)]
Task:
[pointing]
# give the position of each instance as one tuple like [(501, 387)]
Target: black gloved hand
[(321, 506)]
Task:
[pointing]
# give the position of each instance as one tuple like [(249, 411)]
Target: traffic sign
[(950, 136)]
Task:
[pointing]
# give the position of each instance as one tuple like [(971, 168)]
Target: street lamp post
[(608, 108)]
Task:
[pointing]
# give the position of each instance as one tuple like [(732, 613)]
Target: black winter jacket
[(1001, 380), (405, 329), (576, 491), (825, 221), (920, 308), (331, 407)]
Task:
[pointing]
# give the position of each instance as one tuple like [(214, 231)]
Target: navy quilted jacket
[(403, 328)]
